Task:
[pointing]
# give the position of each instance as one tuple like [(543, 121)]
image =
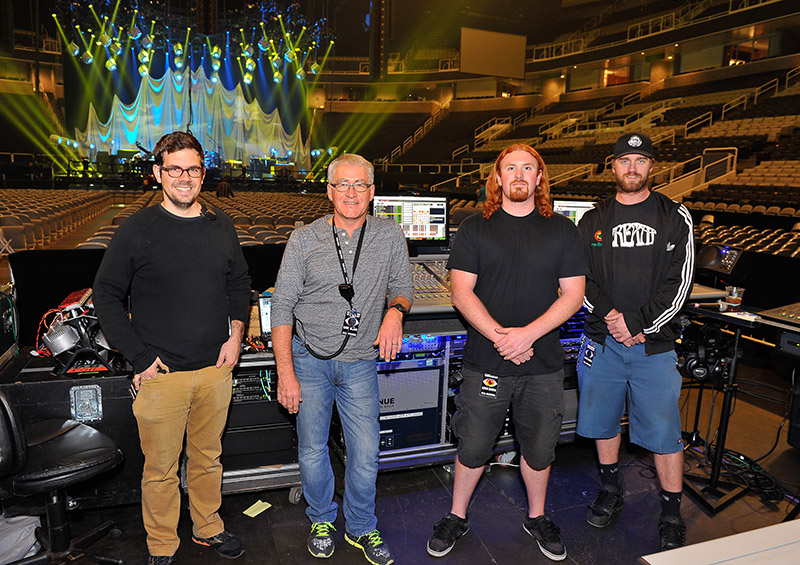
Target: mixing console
[(789, 314), (439, 268), (431, 289)]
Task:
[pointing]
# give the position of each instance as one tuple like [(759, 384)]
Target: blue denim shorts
[(612, 376)]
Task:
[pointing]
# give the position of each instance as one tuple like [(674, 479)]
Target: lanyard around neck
[(341, 255)]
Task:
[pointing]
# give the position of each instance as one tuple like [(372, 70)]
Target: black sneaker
[(445, 534), (673, 532), (375, 549), (224, 543), (161, 560), (320, 543), (548, 536), (605, 506)]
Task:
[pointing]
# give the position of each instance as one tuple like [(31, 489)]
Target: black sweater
[(672, 276), (187, 277)]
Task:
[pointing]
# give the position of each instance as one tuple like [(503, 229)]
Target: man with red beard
[(640, 252), (506, 269)]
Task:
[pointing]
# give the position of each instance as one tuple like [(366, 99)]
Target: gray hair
[(353, 160)]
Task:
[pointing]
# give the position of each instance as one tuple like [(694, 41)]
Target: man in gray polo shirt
[(327, 321)]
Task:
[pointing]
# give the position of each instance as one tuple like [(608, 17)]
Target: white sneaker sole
[(435, 553), (546, 553)]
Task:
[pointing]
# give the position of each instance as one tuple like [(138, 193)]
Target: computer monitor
[(264, 314), (424, 218), (572, 209)]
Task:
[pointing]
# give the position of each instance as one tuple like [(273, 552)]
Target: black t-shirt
[(632, 239), (518, 261)]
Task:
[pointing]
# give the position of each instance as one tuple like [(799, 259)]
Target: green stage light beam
[(115, 12), (96, 18), (322, 64), (299, 37), (31, 122)]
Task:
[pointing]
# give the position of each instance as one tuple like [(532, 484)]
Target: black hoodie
[(672, 276)]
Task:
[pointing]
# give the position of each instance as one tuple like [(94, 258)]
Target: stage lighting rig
[(111, 65), (250, 64), (142, 70), (87, 58), (178, 49), (247, 78), (247, 50), (147, 41), (116, 48), (74, 48), (135, 33)]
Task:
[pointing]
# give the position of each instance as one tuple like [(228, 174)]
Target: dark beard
[(179, 204), (632, 187)]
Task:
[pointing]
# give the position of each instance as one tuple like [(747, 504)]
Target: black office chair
[(45, 458)]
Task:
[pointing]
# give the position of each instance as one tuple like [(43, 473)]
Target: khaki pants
[(194, 404)]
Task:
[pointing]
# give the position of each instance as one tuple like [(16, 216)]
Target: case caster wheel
[(295, 495), (115, 534)]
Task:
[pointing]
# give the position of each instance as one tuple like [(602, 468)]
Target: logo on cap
[(635, 141)]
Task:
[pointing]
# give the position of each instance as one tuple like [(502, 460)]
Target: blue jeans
[(354, 387)]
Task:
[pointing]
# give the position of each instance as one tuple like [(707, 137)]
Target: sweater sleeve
[(238, 286), (671, 295), (110, 288), (595, 299)]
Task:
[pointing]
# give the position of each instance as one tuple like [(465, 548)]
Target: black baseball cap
[(637, 143)]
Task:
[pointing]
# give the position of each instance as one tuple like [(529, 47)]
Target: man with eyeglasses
[(189, 297), (328, 317)]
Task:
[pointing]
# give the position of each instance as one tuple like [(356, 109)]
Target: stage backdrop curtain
[(219, 118)]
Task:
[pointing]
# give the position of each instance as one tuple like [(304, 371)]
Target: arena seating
[(33, 218), (259, 217), (455, 130), (750, 238), (384, 131)]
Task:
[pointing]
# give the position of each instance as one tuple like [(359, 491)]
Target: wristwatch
[(402, 309)]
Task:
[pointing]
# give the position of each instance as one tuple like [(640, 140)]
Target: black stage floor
[(410, 501)]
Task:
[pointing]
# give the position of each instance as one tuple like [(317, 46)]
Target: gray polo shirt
[(307, 288)]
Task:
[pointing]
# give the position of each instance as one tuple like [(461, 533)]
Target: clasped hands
[(615, 322), (514, 344)]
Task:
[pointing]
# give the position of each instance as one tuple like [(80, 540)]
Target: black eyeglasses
[(177, 172)]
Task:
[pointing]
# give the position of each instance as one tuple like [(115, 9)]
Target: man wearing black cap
[(640, 252)]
